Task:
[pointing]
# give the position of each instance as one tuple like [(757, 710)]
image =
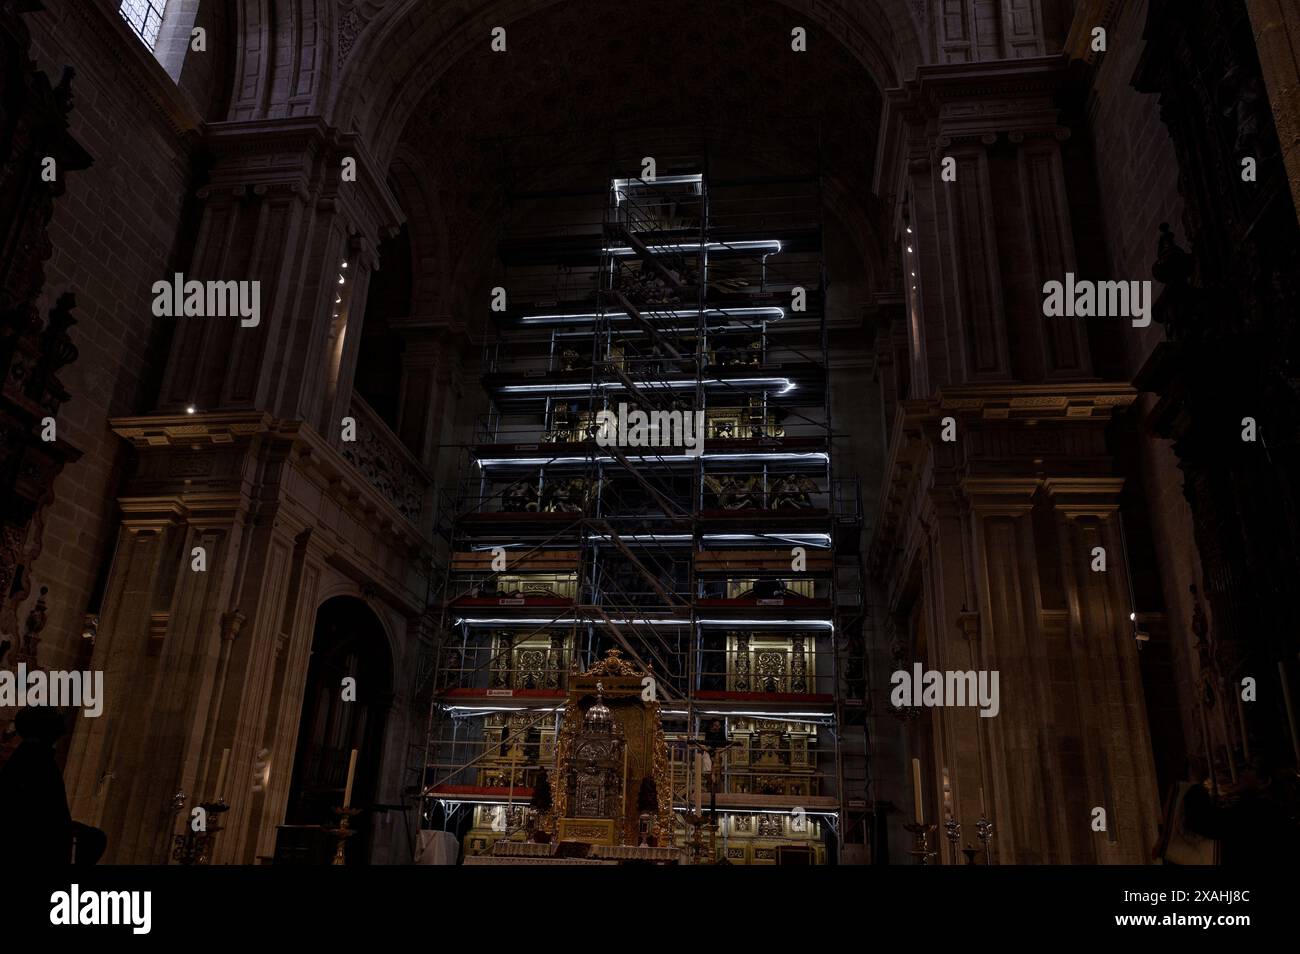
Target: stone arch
[(429, 254), (394, 59), (284, 59), (350, 639), (344, 587)]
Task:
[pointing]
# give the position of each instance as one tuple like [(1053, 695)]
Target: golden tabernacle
[(612, 755)]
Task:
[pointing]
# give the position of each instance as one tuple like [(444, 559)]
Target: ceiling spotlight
[(909, 230), (190, 409), (338, 299), (345, 264), (909, 248), (340, 279), (1133, 616)]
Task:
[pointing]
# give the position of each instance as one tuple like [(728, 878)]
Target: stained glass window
[(145, 18)]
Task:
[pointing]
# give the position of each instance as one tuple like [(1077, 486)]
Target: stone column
[(281, 208), (426, 368), (952, 645), (1115, 741), (974, 262), (160, 646), (1022, 793)]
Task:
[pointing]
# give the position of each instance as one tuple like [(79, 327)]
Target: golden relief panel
[(762, 662), (531, 662)]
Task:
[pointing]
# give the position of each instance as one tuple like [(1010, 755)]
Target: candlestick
[(916, 790), (952, 828), (984, 830), (920, 842), (699, 782), (221, 775), (352, 774), (343, 832)]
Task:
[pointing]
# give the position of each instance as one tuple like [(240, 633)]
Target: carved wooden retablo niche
[(610, 741)]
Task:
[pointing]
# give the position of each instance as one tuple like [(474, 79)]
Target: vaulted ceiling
[(582, 79)]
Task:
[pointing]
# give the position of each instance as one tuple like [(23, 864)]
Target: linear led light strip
[(758, 811), (620, 186), (471, 800), (568, 621), (603, 459), (575, 388), (778, 716), (775, 716), (823, 538), (771, 313), (488, 710), (771, 246), (728, 328)]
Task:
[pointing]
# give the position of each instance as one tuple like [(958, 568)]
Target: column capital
[(1001, 496), (302, 157), (1085, 496), (967, 104)]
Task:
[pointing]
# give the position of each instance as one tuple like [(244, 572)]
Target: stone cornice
[(302, 157), (966, 103), (187, 430), (1032, 401), (141, 69), (1037, 409), (307, 449)]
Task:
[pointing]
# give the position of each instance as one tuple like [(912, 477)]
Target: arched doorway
[(349, 641)]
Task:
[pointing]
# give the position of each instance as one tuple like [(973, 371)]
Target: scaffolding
[(642, 309)]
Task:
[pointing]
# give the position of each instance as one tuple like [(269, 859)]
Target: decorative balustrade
[(386, 463)]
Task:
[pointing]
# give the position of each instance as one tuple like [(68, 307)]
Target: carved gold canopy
[(622, 685)]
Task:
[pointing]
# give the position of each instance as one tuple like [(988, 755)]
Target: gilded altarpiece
[(765, 662), (639, 723), (529, 662)]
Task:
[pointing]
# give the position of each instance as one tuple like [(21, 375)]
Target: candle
[(916, 790), (982, 809), (352, 774), (221, 775), (699, 782)]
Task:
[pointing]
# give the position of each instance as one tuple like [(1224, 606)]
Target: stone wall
[(118, 229)]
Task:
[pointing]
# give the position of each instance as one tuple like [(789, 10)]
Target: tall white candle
[(916, 790), (699, 782), (221, 774), (352, 774)]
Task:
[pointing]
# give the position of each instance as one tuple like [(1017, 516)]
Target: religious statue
[(792, 492), (520, 497)]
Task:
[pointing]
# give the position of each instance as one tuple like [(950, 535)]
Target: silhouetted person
[(35, 824)]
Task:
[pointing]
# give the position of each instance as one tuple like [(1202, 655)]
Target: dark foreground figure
[(36, 826)]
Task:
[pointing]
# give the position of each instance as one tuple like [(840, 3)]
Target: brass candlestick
[(343, 832), (952, 828), (984, 829), (195, 847), (920, 841), (697, 822)]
